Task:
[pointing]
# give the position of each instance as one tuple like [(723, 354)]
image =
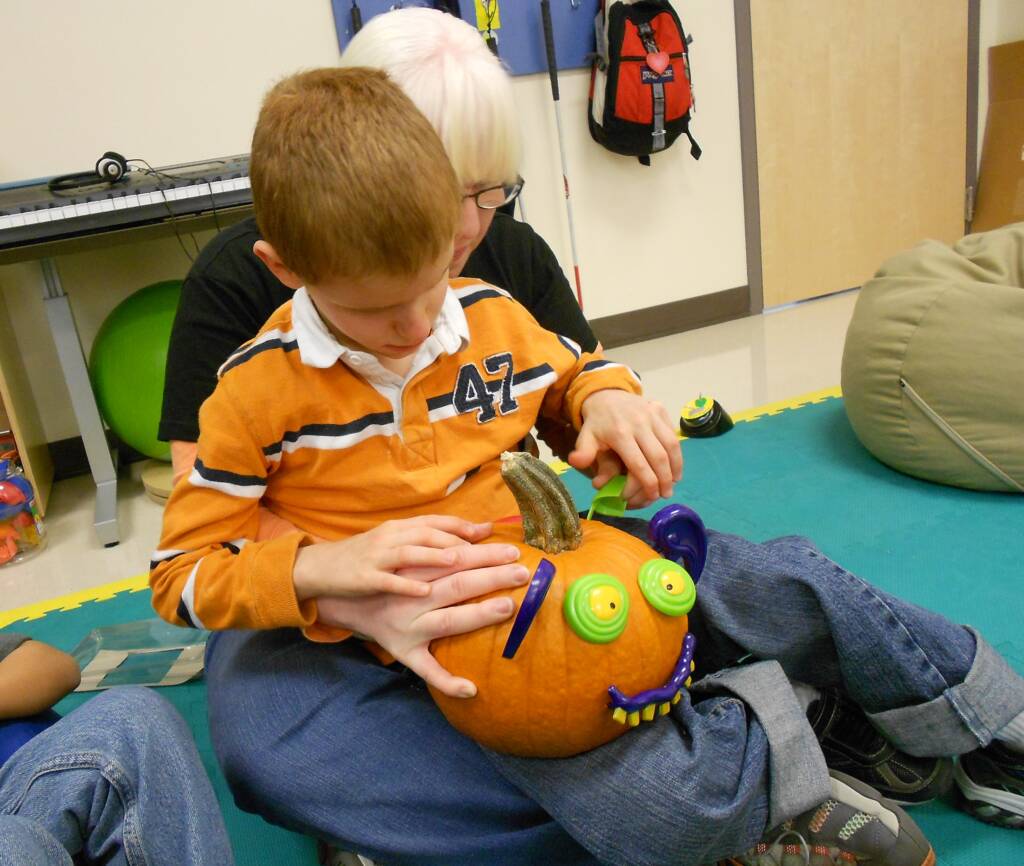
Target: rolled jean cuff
[(964, 717), (797, 774)]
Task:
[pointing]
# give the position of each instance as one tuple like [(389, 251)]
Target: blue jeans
[(325, 741), (117, 781)]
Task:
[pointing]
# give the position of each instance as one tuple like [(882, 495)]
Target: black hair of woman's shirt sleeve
[(226, 297)]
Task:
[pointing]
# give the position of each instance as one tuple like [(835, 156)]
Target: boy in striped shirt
[(370, 411)]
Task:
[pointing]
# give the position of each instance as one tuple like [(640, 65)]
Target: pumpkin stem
[(550, 520)]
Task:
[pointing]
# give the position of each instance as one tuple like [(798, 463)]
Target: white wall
[(182, 81), (645, 236), (1001, 21)]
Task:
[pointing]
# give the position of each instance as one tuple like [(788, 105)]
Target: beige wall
[(181, 81), (1001, 21)]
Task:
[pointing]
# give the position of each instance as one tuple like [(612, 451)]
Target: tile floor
[(743, 364)]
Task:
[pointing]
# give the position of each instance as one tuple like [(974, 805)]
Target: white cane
[(549, 43)]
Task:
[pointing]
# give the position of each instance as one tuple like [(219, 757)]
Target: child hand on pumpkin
[(405, 625), (626, 432)]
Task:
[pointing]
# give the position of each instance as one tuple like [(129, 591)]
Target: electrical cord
[(170, 213)]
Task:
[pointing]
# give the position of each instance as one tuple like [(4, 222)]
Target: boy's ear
[(268, 255)]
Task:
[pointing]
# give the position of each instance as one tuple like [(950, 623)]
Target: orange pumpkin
[(614, 614)]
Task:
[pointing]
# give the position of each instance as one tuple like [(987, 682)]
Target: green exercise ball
[(126, 366)]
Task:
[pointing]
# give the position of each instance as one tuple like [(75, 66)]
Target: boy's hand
[(405, 625), (623, 431), (371, 561)]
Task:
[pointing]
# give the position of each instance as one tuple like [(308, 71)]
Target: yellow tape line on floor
[(792, 403), (76, 599)]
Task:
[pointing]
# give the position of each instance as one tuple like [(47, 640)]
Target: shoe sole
[(990, 805), (938, 787), (876, 805)]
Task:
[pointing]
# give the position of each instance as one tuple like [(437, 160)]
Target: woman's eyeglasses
[(496, 196)]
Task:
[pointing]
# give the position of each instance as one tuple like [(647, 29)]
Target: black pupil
[(613, 605), (668, 586)]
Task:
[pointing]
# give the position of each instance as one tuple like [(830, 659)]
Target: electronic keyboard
[(31, 213)]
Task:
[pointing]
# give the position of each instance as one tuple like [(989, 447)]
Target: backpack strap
[(646, 33), (695, 150)]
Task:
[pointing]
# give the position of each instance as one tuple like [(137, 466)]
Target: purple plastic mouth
[(662, 694)]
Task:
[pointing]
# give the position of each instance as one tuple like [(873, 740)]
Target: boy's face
[(387, 316)]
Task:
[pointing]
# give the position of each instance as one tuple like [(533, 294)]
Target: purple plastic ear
[(677, 533), (534, 598)]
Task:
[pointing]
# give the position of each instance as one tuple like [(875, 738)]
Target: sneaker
[(853, 746), (991, 785), (855, 825)]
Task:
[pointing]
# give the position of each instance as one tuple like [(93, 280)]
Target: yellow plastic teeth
[(647, 713), (677, 697)]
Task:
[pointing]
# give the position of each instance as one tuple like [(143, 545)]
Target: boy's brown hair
[(349, 179)]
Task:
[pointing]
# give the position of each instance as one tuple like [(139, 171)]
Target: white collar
[(318, 347)]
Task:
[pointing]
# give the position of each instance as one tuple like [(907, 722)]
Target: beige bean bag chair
[(933, 368)]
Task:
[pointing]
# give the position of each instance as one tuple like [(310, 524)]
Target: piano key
[(31, 213)]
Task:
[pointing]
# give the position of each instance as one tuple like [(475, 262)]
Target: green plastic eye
[(597, 607), (667, 586)]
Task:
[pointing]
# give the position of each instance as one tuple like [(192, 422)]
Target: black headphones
[(110, 168)]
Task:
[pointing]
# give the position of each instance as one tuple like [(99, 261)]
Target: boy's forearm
[(591, 373), (33, 678), (224, 585), (210, 571)]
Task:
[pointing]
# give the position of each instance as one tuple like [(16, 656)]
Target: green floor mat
[(959, 552), (803, 472)]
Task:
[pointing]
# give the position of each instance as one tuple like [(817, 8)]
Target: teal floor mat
[(800, 471), (959, 552)]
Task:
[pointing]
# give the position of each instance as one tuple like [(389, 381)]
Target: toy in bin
[(21, 525), (703, 418)]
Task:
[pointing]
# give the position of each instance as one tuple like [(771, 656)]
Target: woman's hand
[(373, 561)]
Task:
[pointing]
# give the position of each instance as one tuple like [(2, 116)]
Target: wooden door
[(861, 110)]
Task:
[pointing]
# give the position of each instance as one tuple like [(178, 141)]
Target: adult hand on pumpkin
[(624, 432), (405, 625)]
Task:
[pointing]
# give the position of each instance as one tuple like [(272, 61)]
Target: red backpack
[(641, 94)]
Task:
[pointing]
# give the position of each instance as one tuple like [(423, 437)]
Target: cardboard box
[(1000, 197)]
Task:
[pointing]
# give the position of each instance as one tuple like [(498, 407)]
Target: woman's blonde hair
[(445, 67), (349, 179)]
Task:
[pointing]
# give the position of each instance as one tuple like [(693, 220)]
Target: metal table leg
[(76, 375)]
